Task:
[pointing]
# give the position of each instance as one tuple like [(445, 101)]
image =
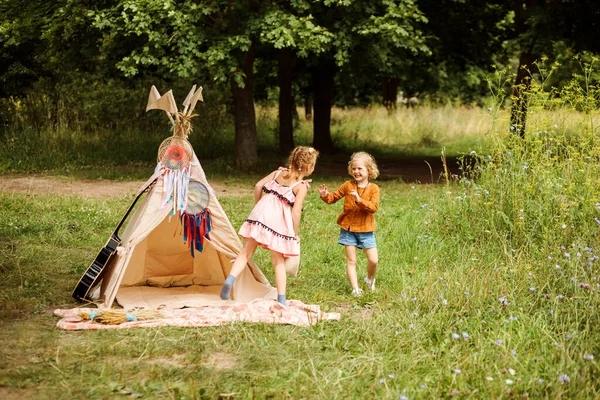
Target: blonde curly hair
[(369, 163)]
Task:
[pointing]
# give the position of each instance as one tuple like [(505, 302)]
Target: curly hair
[(369, 163), (301, 157)]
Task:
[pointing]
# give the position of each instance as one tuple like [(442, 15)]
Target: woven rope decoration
[(183, 127), (175, 153)]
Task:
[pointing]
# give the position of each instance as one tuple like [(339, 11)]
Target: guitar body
[(94, 273)]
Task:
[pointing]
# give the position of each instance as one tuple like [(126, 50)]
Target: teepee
[(178, 246)]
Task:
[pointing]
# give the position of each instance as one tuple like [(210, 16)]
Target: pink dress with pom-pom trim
[(270, 222)]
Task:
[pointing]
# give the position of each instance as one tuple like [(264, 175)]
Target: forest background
[(488, 282), (76, 66)]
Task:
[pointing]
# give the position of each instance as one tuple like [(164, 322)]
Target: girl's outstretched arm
[(259, 185), (297, 209), (329, 197)]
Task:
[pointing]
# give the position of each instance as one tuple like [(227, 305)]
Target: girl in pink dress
[(273, 223)]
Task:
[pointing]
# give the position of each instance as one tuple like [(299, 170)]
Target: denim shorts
[(362, 240)]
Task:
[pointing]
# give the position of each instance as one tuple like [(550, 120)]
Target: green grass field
[(450, 317), (487, 288)]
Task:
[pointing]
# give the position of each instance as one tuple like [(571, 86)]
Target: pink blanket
[(267, 311)]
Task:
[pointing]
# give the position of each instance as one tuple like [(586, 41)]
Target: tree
[(367, 35), (463, 50), (539, 26), (22, 60), (183, 38)]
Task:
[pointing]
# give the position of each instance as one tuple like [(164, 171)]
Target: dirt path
[(36, 185), (424, 170)]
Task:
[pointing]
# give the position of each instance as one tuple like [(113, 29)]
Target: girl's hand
[(354, 194), (323, 191)]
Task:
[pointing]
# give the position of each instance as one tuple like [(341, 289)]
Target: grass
[(488, 284), (399, 341)]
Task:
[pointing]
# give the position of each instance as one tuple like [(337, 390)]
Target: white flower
[(564, 378), (455, 336), (509, 382), (465, 335), (588, 357)]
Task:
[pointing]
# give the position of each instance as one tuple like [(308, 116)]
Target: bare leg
[(238, 266), (372, 262), (242, 259), (280, 275), (351, 266)]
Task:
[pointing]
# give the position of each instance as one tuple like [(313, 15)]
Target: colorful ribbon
[(196, 227)]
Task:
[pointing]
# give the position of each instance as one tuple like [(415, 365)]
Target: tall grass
[(409, 131), (45, 134)]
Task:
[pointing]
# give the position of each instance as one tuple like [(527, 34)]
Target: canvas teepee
[(171, 254)]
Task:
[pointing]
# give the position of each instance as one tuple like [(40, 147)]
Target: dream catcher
[(195, 219), (175, 154)]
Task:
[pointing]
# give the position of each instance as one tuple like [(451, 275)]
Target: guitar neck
[(115, 234)]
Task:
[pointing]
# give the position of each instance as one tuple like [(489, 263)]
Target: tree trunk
[(244, 116), (308, 107), (322, 85), (518, 112), (390, 93), (286, 102)]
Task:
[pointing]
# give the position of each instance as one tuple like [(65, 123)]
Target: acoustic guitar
[(93, 275)]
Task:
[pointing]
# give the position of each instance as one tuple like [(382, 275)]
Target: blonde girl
[(357, 222), (273, 223)]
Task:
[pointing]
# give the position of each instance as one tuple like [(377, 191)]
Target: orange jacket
[(356, 216)]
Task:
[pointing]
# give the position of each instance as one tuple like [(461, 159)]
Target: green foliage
[(538, 193), (78, 142), (102, 126), (184, 38)]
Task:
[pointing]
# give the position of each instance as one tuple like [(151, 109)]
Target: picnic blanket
[(265, 311)]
